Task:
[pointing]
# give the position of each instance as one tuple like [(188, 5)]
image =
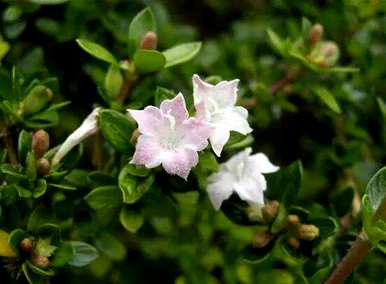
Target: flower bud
[(293, 242), (41, 261), (149, 41), (293, 219), (40, 142), (36, 99), (315, 34), (308, 232), (261, 240), (325, 54), (27, 245), (270, 210), (43, 166)]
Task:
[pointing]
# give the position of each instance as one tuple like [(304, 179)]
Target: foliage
[(316, 100)]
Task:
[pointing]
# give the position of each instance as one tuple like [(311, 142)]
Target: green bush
[(119, 164)]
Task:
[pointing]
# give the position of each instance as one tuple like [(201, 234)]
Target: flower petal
[(196, 133), (251, 188), (260, 162), (176, 108), (220, 188), (234, 119), (218, 139), (147, 152), (201, 90), (180, 162), (88, 127), (149, 120)]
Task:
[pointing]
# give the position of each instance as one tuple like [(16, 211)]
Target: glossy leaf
[(181, 53)]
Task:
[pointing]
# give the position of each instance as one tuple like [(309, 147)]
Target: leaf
[(83, 254), (280, 221), (277, 42), (64, 253), (132, 187), (111, 246), (327, 226), (104, 197), (113, 81), (24, 145), (284, 185), (376, 189), (139, 171), (162, 94), (117, 129), (40, 271), (131, 219), (256, 255), (328, 98), (5, 247), (181, 53), (97, 51), (15, 237), (40, 188), (48, 2), (142, 23), (147, 60)]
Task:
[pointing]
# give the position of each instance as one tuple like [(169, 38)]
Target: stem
[(355, 255), (290, 77), (8, 142)]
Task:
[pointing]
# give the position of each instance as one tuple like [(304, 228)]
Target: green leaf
[(83, 254), (132, 187), (111, 246), (24, 145), (104, 197), (40, 188), (280, 221), (64, 254), (131, 219), (138, 171), (113, 81), (277, 43), (142, 23), (15, 237), (284, 185), (327, 226), (31, 170), (328, 98), (97, 51), (256, 255), (48, 2), (147, 60), (162, 94), (376, 189), (44, 119), (181, 53), (117, 129), (39, 271)]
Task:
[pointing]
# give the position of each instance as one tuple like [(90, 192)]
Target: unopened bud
[(262, 239), (325, 54), (27, 245), (293, 242), (308, 232), (40, 142), (43, 166), (270, 210), (134, 137), (149, 41), (36, 99), (41, 261), (315, 34), (293, 219)]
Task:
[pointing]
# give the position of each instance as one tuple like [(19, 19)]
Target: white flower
[(86, 129), (216, 104), (241, 174), (169, 137)]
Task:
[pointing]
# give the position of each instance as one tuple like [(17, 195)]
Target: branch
[(8, 143), (355, 255)]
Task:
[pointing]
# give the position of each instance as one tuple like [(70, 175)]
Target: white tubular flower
[(86, 129), (216, 104), (241, 174)]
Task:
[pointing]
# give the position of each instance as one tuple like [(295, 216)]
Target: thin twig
[(8, 143)]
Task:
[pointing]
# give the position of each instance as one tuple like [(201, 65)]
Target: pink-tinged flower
[(169, 137), (88, 127), (216, 104), (241, 174)]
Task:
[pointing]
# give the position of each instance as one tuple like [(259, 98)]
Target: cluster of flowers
[(171, 138)]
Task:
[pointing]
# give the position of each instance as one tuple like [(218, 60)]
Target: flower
[(241, 174), (169, 137), (216, 104), (88, 127)]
